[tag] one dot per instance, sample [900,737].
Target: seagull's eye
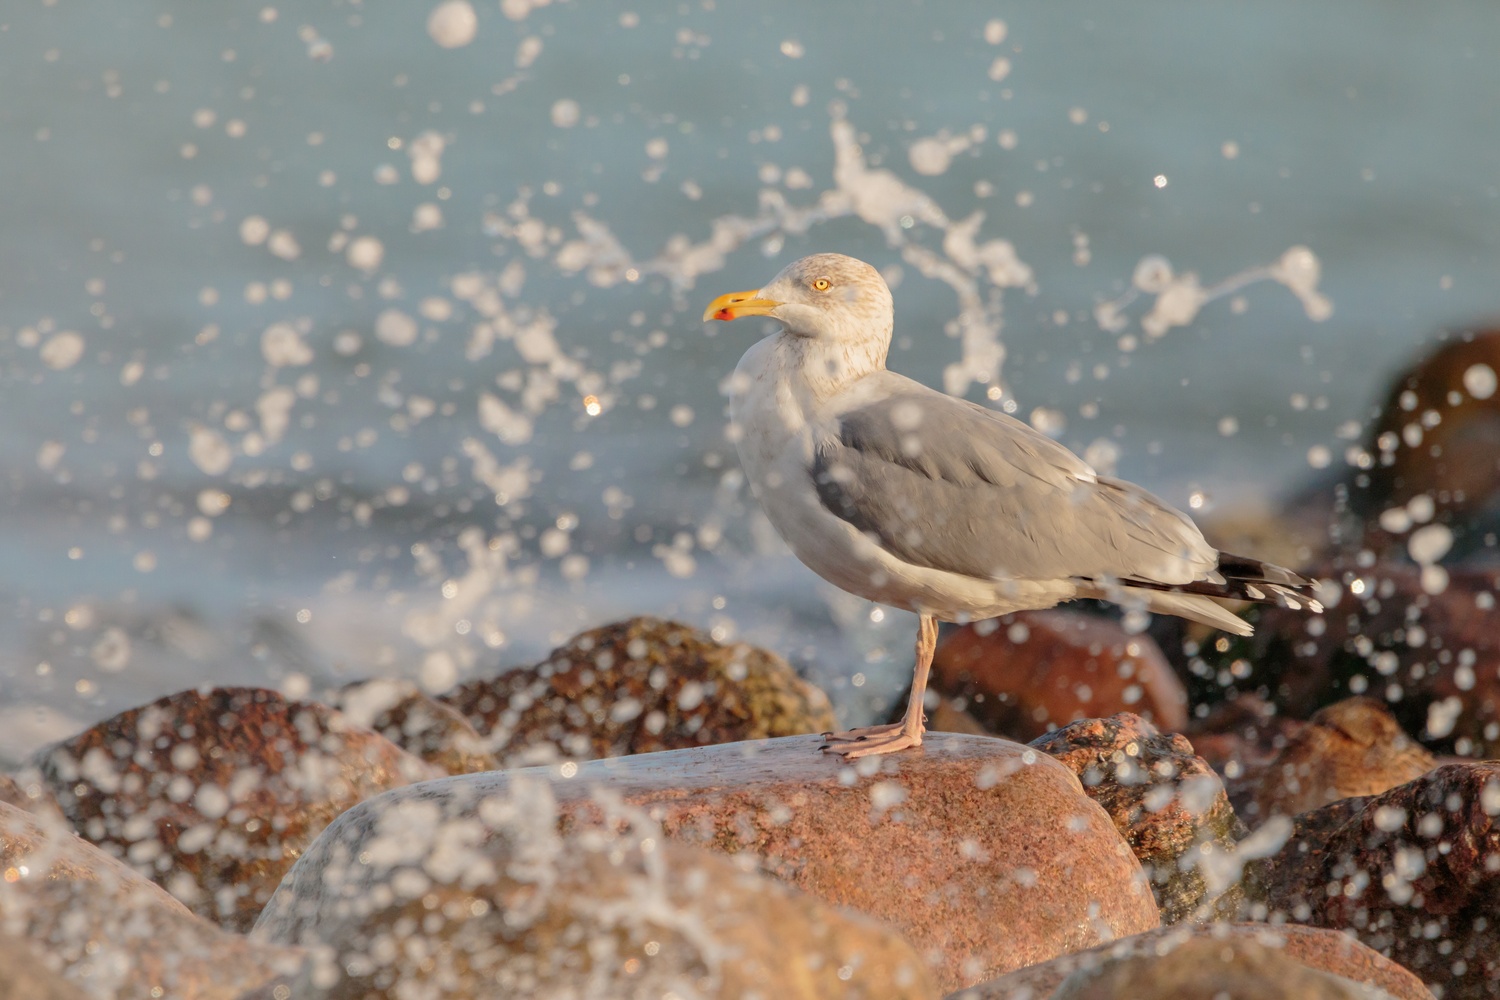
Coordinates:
[822,284]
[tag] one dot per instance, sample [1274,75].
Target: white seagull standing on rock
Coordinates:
[905,496]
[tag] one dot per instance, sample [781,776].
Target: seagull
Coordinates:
[908,497]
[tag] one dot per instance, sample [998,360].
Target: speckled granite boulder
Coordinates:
[1352,747]
[1414,872]
[1024,674]
[213,794]
[1166,802]
[417,723]
[1330,952]
[454,892]
[110,931]
[638,686]
[984,853]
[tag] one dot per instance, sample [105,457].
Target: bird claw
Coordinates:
[870,740]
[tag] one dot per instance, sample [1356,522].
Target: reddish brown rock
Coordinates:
[1166,802]
[25,975]
[1434,658]
[418,724]
[27,791]
[213,794]
[1436,437]
[452,897]
[1350,748]
[1329,952]
[1432,455]
[639,686]
[87,916]
[1413,872]
[1028,673]
[985,854]
[1240,739]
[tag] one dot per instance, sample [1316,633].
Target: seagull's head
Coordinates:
[826,296]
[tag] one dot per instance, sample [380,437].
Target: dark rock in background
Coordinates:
[638,686]
[1351,748]
[417,723]
[1025,674]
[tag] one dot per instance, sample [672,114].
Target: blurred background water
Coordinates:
[343,339]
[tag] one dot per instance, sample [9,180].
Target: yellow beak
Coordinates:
[737,304]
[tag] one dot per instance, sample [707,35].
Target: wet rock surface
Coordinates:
[417,723]
[25,976]
[110,931]
[1282,948]
[639,686]
[1025,674]
[1166,802]
[1240,739]
[968,859]
[1434,658]
[27,791]
[984,853]
[1437,442]
[1413,872]
[215,793]
[1351,748]
[461,892]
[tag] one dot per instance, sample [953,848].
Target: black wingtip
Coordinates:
[1241,578]
[1249,579]
[1255,571]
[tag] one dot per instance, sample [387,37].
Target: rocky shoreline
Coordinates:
[233,843]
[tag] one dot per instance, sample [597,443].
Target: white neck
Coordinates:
[827,367]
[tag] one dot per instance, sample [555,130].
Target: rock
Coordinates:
[84,914]
[1413,872]
[1433,657]
[417,723]
[1287,947]
[1240,739]
[27,791]
[638,686]
[985,854]
[460,892]
[1209,970]
[213,794]
[1025,674]
[1164,800]
[1351,748]
[1437,441]
[1431,456]
[24,975]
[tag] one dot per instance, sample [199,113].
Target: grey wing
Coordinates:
[946,484]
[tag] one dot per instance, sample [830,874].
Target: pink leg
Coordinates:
[870,740]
